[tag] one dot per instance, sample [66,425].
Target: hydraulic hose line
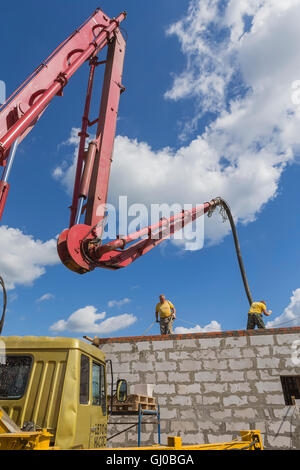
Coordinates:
[4,304]
[220,202]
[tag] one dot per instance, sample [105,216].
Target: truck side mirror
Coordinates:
[121,390]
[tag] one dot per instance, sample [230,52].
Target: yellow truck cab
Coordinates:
[58,384]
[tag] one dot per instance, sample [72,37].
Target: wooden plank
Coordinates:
[8,423]
[133,407]
[134,399]
[151,400]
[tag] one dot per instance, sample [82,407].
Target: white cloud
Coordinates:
[118,303]
[223,55]
[191,175]
[45,297]
[242,74]
[22,258]
[206,74]
[291,314]
[86,320]
[212,326]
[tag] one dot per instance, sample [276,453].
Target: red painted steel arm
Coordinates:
[21,111]
[80,247]
[81,250]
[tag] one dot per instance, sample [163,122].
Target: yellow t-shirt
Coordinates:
[257,307]
[164,309]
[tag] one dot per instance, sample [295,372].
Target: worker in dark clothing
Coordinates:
[255,315]
[167,315]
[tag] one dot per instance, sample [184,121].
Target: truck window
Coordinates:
[99,386]
[84,394]
[14,375]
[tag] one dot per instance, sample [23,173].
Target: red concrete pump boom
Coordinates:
[80,246]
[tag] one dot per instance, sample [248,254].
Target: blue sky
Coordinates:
[208,107]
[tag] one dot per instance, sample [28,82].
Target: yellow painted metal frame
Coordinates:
[250,440]
[39,440]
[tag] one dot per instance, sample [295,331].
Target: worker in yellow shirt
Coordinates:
[167,315]
[255,315]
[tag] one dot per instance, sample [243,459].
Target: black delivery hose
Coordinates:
[220,202]
[4,304]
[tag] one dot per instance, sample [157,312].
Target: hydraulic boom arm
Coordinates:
[80,246]
[20,112]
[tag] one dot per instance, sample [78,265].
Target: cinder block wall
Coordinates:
[211,385]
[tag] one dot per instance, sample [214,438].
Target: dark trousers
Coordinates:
[166,325]
[255,319]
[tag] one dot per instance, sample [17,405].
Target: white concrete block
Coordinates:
[275,399]
[164,389]
[237,426]
[261,340]
[210,343]
[176,377]
[221,415]
[215,387]
[165,366]
[210,400]
[229,353]
[168,414]
[163,345]
[144,389]
[150,378]
[186,389]
[269,386]
[262,351]
[184,344]
[161,377]
[206,376]
[245,413]
[252,375]
[236,341]
[235,400]
[215,364]
[189,365]
[182,427]
[203,354]
[231,376]
[280,442]
[244,387]
[182,400]
[197,438]
[179,355]
[287,338]
[143,345]
[240,364]
[142,366]
[267,363]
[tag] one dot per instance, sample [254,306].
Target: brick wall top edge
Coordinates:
[220,334]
